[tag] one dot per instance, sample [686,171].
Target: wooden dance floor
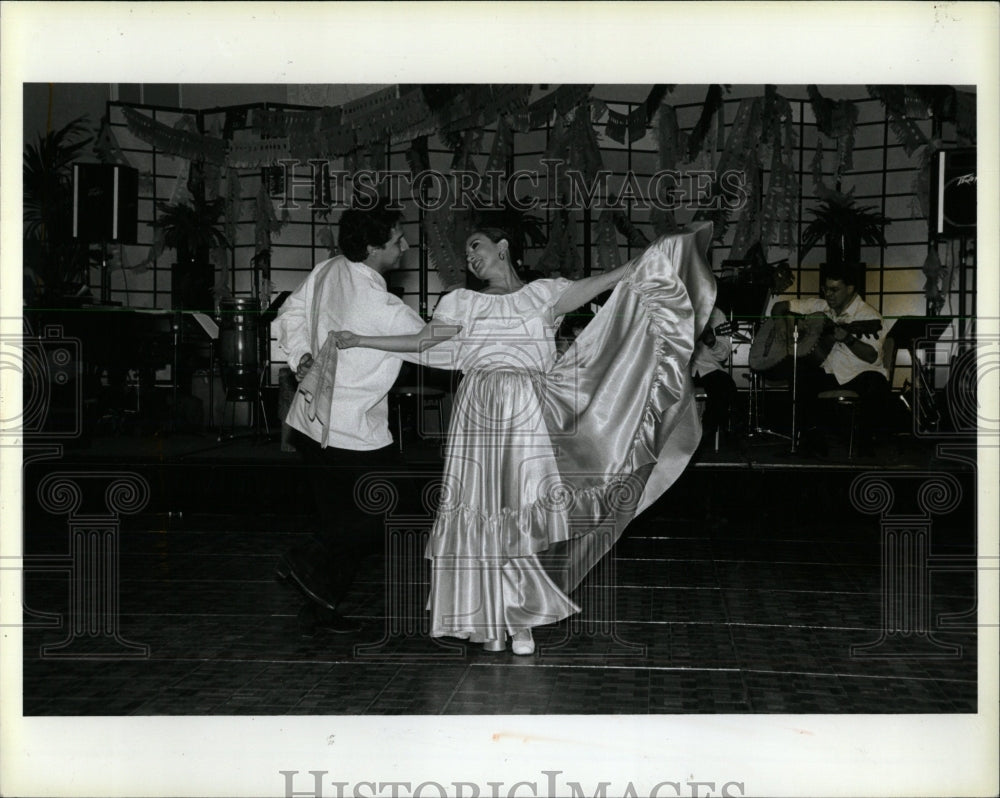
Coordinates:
[763,582]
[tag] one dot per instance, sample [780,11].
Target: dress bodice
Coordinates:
[514,330]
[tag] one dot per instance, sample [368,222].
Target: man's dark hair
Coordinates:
[843,273]
[360,228]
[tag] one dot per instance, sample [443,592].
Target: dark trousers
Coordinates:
[350,527]
[873,403]
[720,391]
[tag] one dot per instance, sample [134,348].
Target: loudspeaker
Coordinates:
[105,203]
[953,193]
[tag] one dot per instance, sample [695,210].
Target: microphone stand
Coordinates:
[795,378]
[176,320]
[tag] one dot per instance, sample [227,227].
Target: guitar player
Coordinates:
[854,362]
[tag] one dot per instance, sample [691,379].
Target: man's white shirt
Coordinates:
[340,294]
[841,362]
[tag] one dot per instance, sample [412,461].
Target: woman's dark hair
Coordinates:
[360,228]
[498,234]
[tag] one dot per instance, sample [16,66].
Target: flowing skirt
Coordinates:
[557,463]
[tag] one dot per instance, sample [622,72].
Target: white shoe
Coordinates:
[523,644]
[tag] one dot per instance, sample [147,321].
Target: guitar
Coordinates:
[816,337]
[774,341]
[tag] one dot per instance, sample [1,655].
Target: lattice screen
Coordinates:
[883,176]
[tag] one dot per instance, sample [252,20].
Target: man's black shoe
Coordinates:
[312,618]
[291,570]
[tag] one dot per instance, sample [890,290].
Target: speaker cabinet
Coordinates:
[953,193]
[105,203]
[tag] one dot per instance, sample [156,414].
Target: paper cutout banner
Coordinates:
[186,144]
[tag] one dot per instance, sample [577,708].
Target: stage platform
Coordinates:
[762,582]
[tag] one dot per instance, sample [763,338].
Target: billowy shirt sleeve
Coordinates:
[292,322]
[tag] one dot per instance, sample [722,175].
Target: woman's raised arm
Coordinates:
[582,291]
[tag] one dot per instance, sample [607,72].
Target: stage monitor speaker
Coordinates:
[953,193]
[105,203]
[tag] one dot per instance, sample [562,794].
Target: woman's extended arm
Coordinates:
[432,334]
[582,291]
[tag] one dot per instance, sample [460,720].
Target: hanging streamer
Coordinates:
[598,110]
[236,119]
[720,127]
[252,154]
[921,185]
[606,242]
[418,156]
[471,143]
[654,98]
[267,222]
[907,131]
[748,225]
[666,137]
[616,126]
[223,273]
[816,165]
[965,116]
[107,148]
[550,261]
[739,152]
[669,152]
[503,147]
[233,206]
[560,255]
[836,120]
[782,191]
[637,123]
[561,101]
[438,229]
[584,152]
[174,141]
[713,101]
[181,194]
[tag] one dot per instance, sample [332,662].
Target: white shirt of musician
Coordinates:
[340,294]
[841,362]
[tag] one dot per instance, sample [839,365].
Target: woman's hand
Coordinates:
[346,339]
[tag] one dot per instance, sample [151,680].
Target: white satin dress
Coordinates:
[548,460]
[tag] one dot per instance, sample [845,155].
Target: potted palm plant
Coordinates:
[192,229]
[844,227]
[55,264]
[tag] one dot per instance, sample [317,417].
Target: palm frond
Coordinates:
[841,217]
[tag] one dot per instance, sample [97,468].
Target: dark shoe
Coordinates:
[290,569]
[312,618]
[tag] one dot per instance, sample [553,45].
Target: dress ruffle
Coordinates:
[571,453]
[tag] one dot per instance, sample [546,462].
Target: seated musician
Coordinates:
[854,361]
[711,353]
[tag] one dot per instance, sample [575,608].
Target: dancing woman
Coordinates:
[548,457]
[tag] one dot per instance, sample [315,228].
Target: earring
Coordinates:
[503,256]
